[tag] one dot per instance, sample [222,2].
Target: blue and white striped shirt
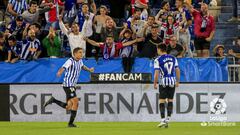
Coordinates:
[73,69]
[80,19]
[70,13]
[167,65]
[16,50]
[18,6]
[27,45]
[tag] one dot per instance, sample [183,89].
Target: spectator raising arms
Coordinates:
[110,48]
[74,36]
[163,12]
[148,25]
[204,29]
[150,45]
[32,14]
[169,29]
[126,53]
[53,44]
[31,46]
[136,24]
[85,21]
[52,15]
[100,23]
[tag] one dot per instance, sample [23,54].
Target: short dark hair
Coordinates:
[170,15]
[221,47]
[180,0]
[84,3]
[151,16]
[104,7]
[164,3]
[32,3]
[137,10]
[74,23]
[162,47]
[37,25]
[75,50]
[12,38]
[19,18]
[174,19]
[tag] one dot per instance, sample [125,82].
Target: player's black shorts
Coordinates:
[201,44]
[70,92]
[166,92]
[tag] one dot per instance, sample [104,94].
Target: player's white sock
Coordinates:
[162,123]
[163,120]
[167,119]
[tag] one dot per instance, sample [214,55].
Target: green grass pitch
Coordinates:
[114,128]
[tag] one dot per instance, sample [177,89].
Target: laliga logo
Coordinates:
[218,106]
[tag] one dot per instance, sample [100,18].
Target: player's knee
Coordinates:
[69,105]
[162,100]
[75,102]
[170,100]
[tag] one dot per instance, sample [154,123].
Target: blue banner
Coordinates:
[44,70]
[203,70]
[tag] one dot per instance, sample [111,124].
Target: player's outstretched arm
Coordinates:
[60,71]
[178,76]
[88,69]
[156,74]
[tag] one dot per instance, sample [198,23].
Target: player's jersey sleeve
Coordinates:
[156,64]
[82,64]
[67,64]
[39,47]
[176,63]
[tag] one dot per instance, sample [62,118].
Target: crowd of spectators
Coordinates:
[32,29]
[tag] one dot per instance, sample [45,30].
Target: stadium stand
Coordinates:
[226,32]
